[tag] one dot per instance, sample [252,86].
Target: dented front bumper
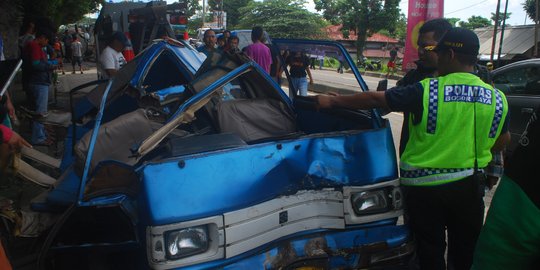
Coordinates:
[370,247]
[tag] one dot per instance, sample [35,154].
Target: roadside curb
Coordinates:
[380,75]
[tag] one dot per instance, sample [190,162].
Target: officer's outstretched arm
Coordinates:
[501,142]
[363,101]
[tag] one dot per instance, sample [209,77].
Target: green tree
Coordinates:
[501,17]
[59,11]
[282,19]
[401,28]
[453,21]
[194,23]
[192,7]
[475,22]
[400,32]
[529,7]
[364,17]
[232,7]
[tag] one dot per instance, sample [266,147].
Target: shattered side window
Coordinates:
[232,91]
[164,72]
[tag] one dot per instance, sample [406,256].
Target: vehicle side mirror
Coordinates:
[383,85]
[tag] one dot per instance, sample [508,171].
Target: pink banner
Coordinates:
[420,11]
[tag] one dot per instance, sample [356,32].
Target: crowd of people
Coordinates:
[44,53]
[266,56]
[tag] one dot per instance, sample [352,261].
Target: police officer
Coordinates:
[462,119]
[426,65]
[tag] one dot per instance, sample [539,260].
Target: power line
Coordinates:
[465,8]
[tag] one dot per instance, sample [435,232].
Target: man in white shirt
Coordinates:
[111,59]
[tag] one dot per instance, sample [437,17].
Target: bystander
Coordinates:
[209,39]
[258,51]
[76,53]
[298,69]
[111,59]
[39,81]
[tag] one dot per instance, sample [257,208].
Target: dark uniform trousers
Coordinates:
[457,207]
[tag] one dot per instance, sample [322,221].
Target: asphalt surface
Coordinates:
[347,80]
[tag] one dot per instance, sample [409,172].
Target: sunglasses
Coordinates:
[428,48]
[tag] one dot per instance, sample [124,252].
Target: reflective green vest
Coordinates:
[441,148]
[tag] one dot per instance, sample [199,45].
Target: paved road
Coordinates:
[345,80]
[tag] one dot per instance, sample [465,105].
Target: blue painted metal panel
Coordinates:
[93,141]
[202,187]
[173,90]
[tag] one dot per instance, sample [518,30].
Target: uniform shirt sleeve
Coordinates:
[406,98]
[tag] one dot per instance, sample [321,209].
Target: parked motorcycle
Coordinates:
[370,65]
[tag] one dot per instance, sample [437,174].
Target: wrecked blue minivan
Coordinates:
[217,167]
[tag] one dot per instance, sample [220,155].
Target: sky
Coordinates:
[464,9]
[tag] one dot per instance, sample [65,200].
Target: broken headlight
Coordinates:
[186,242]
[376,201]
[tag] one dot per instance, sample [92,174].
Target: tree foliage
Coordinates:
[364,17]
[282,19]
[475,22]
[59,11]
[193,7]
[401,27]
[400,32]
[529,7]
[232,7]
[453,21]
[501,17]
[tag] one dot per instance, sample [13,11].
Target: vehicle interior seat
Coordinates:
[116,139]
[255,119]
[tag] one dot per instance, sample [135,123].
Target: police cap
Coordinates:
[460,40]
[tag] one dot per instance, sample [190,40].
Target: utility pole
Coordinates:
[203,12]
[220,12]
[536,30]
[494,40]
[503,26]
[221,16]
